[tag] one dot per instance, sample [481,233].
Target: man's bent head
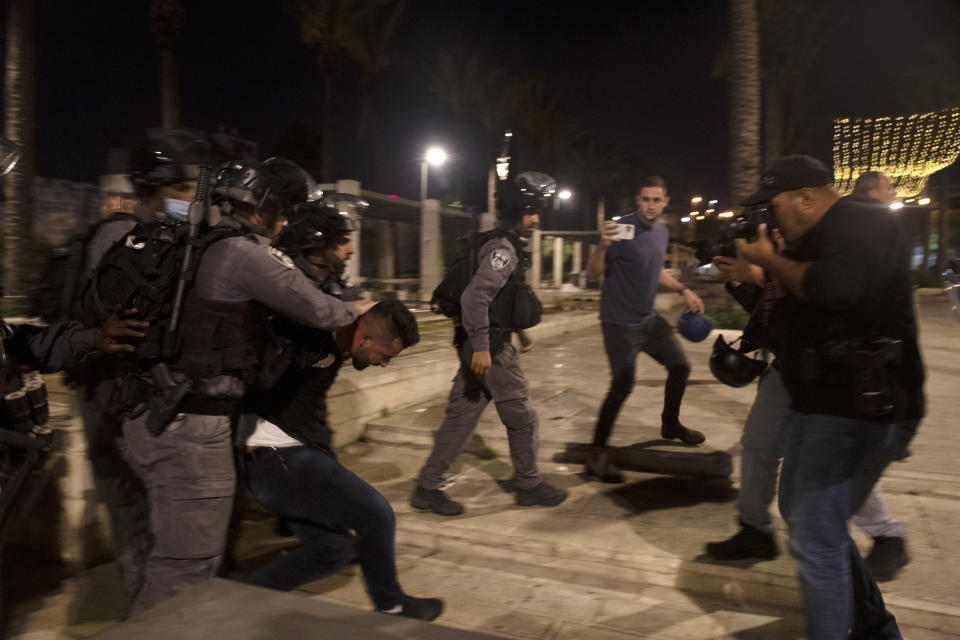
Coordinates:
[382,333]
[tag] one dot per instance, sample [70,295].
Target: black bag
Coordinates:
[527,308]
[446,297]
[57,296]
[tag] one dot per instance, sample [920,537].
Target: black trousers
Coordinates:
[623,344]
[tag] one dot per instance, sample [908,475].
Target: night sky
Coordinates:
[637,72]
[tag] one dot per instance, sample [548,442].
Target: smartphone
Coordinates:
[625,231]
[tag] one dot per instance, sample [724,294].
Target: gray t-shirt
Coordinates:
[632,274]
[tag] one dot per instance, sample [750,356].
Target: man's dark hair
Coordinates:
[866,181]
[653,181]
[396,321]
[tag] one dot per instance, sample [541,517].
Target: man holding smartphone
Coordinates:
[633,270]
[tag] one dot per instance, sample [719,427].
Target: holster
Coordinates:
[164,403]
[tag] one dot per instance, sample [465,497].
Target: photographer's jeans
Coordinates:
[829,466]
[764,433]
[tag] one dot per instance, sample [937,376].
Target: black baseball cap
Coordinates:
[789,173]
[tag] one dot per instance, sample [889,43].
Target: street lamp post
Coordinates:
[434,156]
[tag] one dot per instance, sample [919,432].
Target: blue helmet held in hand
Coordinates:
[694,326]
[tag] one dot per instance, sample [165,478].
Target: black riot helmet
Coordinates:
[523,195]
[258,194]
[324,225]
[167,157]
[733,367]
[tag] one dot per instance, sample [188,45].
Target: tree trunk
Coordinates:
[169,87]
[744,100]
[19,112]
[329,169]
[772,122]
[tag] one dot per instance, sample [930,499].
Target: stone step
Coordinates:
[548,602]
[740,585]
[514,600]
[648,532]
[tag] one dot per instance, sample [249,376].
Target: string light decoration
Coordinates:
[908,148]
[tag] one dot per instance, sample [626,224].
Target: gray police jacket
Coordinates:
[246,268]
[496,261]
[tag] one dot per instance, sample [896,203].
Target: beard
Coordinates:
[360,361]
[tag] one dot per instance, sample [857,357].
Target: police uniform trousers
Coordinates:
[190,478]
[120,489]
[506,385]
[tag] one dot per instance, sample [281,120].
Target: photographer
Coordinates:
[763,436]
[847,347]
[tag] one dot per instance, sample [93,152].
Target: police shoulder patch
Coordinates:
[281,257]
[499,259]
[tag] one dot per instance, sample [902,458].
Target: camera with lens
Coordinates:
[715,237]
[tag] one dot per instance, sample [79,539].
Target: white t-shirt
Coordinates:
[268,434]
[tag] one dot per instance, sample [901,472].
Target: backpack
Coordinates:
[516,298]
[57,296]
[446,297]
[141,271]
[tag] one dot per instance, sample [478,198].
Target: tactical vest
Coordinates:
[515,306]
[221,339]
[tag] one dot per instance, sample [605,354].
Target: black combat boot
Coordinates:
[542,495]
[599,466]
[435,500]
[887,557]
[673,430]
[749,542]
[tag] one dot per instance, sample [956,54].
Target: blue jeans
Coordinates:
[829,466]
[323,501]
[764,433]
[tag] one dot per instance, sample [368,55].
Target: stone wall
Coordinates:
[62,207]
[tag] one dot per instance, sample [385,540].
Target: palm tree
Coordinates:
[166,23]
[369,44]
[19,99]
[744,99]
[328,28]
[478,91]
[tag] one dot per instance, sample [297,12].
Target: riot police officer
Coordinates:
[187,463]
[163,169]
[492,306]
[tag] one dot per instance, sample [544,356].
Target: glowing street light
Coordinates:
[923,202]
[435,156]
[896,205]
[696,200]
[564,194]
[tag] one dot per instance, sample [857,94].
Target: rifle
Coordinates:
[197,214]
[165,404]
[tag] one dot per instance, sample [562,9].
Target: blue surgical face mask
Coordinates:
[176,209]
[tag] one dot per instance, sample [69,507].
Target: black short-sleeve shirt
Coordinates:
[857,286]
